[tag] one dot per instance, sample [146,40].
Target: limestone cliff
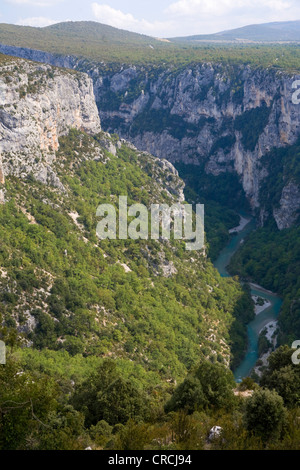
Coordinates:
[286,215]
[228,117]
[38,104]
[224,116]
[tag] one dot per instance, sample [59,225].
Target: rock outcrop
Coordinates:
[288,212]
[38,105]
[226,117]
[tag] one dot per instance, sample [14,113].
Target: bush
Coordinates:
[210,386]
[101,433]
[283,376]
[265,415]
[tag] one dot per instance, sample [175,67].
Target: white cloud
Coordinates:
[204,16]
[223,7]
[187,17]
[108,15]
[36,21]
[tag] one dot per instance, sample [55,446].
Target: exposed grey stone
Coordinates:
[36,113]
[288,212]
[209,96]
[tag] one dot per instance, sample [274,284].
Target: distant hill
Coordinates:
[284,31]
[97,43]
[80,38]
[97,33]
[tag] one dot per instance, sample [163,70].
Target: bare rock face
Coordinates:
[228,116]
[288,212]
[38,104]
[121,80]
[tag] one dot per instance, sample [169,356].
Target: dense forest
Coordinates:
[58,402]
[77,301]
[106,368]
[97,42]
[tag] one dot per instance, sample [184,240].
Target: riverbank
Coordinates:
[241,226]
[266,313]
[257,286]
[258,308]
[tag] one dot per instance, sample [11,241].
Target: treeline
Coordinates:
[93,41]
[45,410]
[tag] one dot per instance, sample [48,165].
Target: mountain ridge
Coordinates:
[102,43]
[280,31]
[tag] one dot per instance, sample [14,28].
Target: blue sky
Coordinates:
[160,18]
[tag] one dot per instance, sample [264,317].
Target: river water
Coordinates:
[262,319]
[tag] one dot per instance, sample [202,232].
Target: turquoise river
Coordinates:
[262,319]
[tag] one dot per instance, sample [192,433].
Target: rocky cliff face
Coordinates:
[39,56]
[286,215]
[38,104]
[226,117]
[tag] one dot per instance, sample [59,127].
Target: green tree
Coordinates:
[188,396]
[265,414]
[217,384]
[64,431]
[26,400]
[209,386]
[283,376]
[107,396]
[133,436]
[101,433]
[121,401]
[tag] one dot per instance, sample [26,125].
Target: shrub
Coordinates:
[265,414]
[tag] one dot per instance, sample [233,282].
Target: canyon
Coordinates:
[225,117]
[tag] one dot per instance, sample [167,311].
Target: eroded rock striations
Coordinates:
[38,104]
[226,117]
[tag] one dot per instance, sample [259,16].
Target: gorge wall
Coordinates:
[38,104]
[50,229]
[226,118]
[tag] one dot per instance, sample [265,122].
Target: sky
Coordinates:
[158,18]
